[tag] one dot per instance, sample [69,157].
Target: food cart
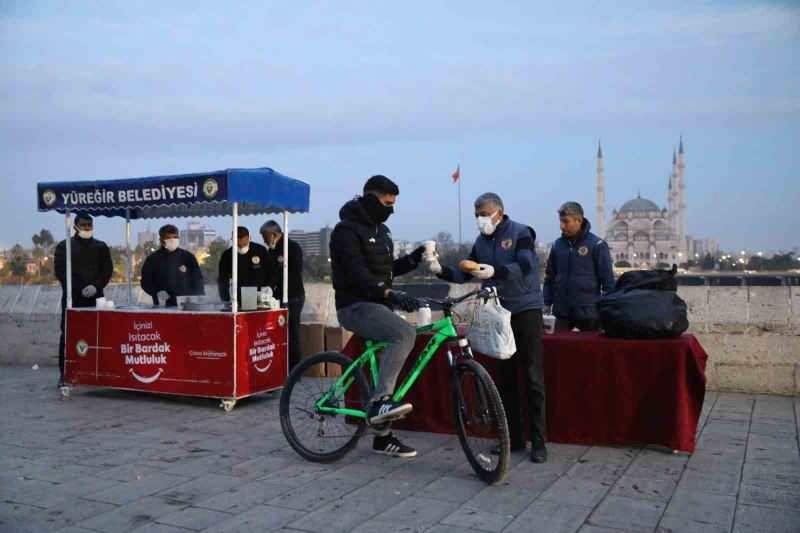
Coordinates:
[208,350]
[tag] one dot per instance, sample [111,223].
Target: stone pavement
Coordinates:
[114,461]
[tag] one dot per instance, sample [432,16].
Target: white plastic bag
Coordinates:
[491,332]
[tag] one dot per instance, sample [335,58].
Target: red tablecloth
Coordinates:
[599,390]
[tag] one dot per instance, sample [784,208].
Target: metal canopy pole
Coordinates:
[235,260]
[69,261]
[285,256]
[128,265]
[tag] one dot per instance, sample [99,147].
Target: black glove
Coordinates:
[403,300]
[416,255]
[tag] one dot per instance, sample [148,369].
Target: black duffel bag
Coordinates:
[642,314]
[660,280]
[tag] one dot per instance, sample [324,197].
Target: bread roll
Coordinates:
[468,266]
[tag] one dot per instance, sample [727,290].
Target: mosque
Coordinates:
[641,234]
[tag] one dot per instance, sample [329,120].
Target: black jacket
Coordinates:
[253,270]
[175,272]
[362,258]
[91,265]
[296,288]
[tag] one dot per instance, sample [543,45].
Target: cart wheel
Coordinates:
[228,405]
[65,390]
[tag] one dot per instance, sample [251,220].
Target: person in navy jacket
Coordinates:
[578,268]
[505,251]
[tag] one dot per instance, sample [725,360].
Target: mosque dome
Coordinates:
[639,204]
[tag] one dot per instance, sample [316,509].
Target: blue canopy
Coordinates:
[257,190]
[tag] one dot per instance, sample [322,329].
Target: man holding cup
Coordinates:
[578,268]
[91,271]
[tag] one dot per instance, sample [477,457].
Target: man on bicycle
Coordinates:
[363,267]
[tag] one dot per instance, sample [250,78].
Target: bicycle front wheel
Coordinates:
[321,436]
[481,421]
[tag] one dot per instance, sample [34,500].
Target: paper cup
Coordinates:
[429,249]
[549,322]
[100,303]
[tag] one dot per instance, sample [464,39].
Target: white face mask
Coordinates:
[85,234]
[485,224]
[244,250]
[171,244]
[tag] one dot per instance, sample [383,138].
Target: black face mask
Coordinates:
[378,212]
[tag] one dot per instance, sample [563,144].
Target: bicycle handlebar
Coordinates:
[447,303]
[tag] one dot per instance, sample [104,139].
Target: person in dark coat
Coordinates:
[253,266]
[363,268]
[505,251]
[296,297]
[578,269]
[92,268]
[171,271]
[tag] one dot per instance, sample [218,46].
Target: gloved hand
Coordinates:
[547,310]
[89,291]
[403,300]
[416,255]
[433,266]
[162,295]
[486,272]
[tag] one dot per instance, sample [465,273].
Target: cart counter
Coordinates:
[210,354]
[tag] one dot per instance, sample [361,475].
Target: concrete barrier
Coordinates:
[752,334]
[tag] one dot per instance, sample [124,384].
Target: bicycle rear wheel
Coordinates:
[480,421]
[315,435]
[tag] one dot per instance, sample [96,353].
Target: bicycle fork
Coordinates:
[464,352]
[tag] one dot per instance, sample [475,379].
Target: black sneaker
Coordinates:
[385,410]
[390,445]
[60,382]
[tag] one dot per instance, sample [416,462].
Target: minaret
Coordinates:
[601,195]
[671,204]
[681,201]
[675,209]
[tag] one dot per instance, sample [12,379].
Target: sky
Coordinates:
[516,93]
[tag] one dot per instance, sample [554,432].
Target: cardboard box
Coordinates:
[335,339]
[312,341]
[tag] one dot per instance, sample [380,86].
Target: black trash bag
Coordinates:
[659,280]
[642,314]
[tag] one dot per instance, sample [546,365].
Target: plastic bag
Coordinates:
[660,280]
[491,332]
[642,314]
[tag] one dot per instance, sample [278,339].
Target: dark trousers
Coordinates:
[527,327]
[585,324]
[86,302]
[295,307]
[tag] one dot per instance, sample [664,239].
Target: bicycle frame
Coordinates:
[443,329]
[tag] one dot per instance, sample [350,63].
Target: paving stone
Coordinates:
[243,497]
[128,472]
[716,481]
[417,511]
[377,496]
[543,516]
[13,512]
[384,527]
[138,488]
[765,496]
[702,507]
[471,517]
[154,527]
[628,513]
[576,491]
[750,519]
[73,510]
[451,489]
[312,496]
[601,529]
[133,515]
[201,488]
[194,518]
[338,516]
[676,524]
[297,474]
[259,518]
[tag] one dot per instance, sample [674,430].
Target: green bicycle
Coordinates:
[322,405]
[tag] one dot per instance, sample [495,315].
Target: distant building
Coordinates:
[196,236]
[147,237]
[402,248]
[313,243]
[701,247]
